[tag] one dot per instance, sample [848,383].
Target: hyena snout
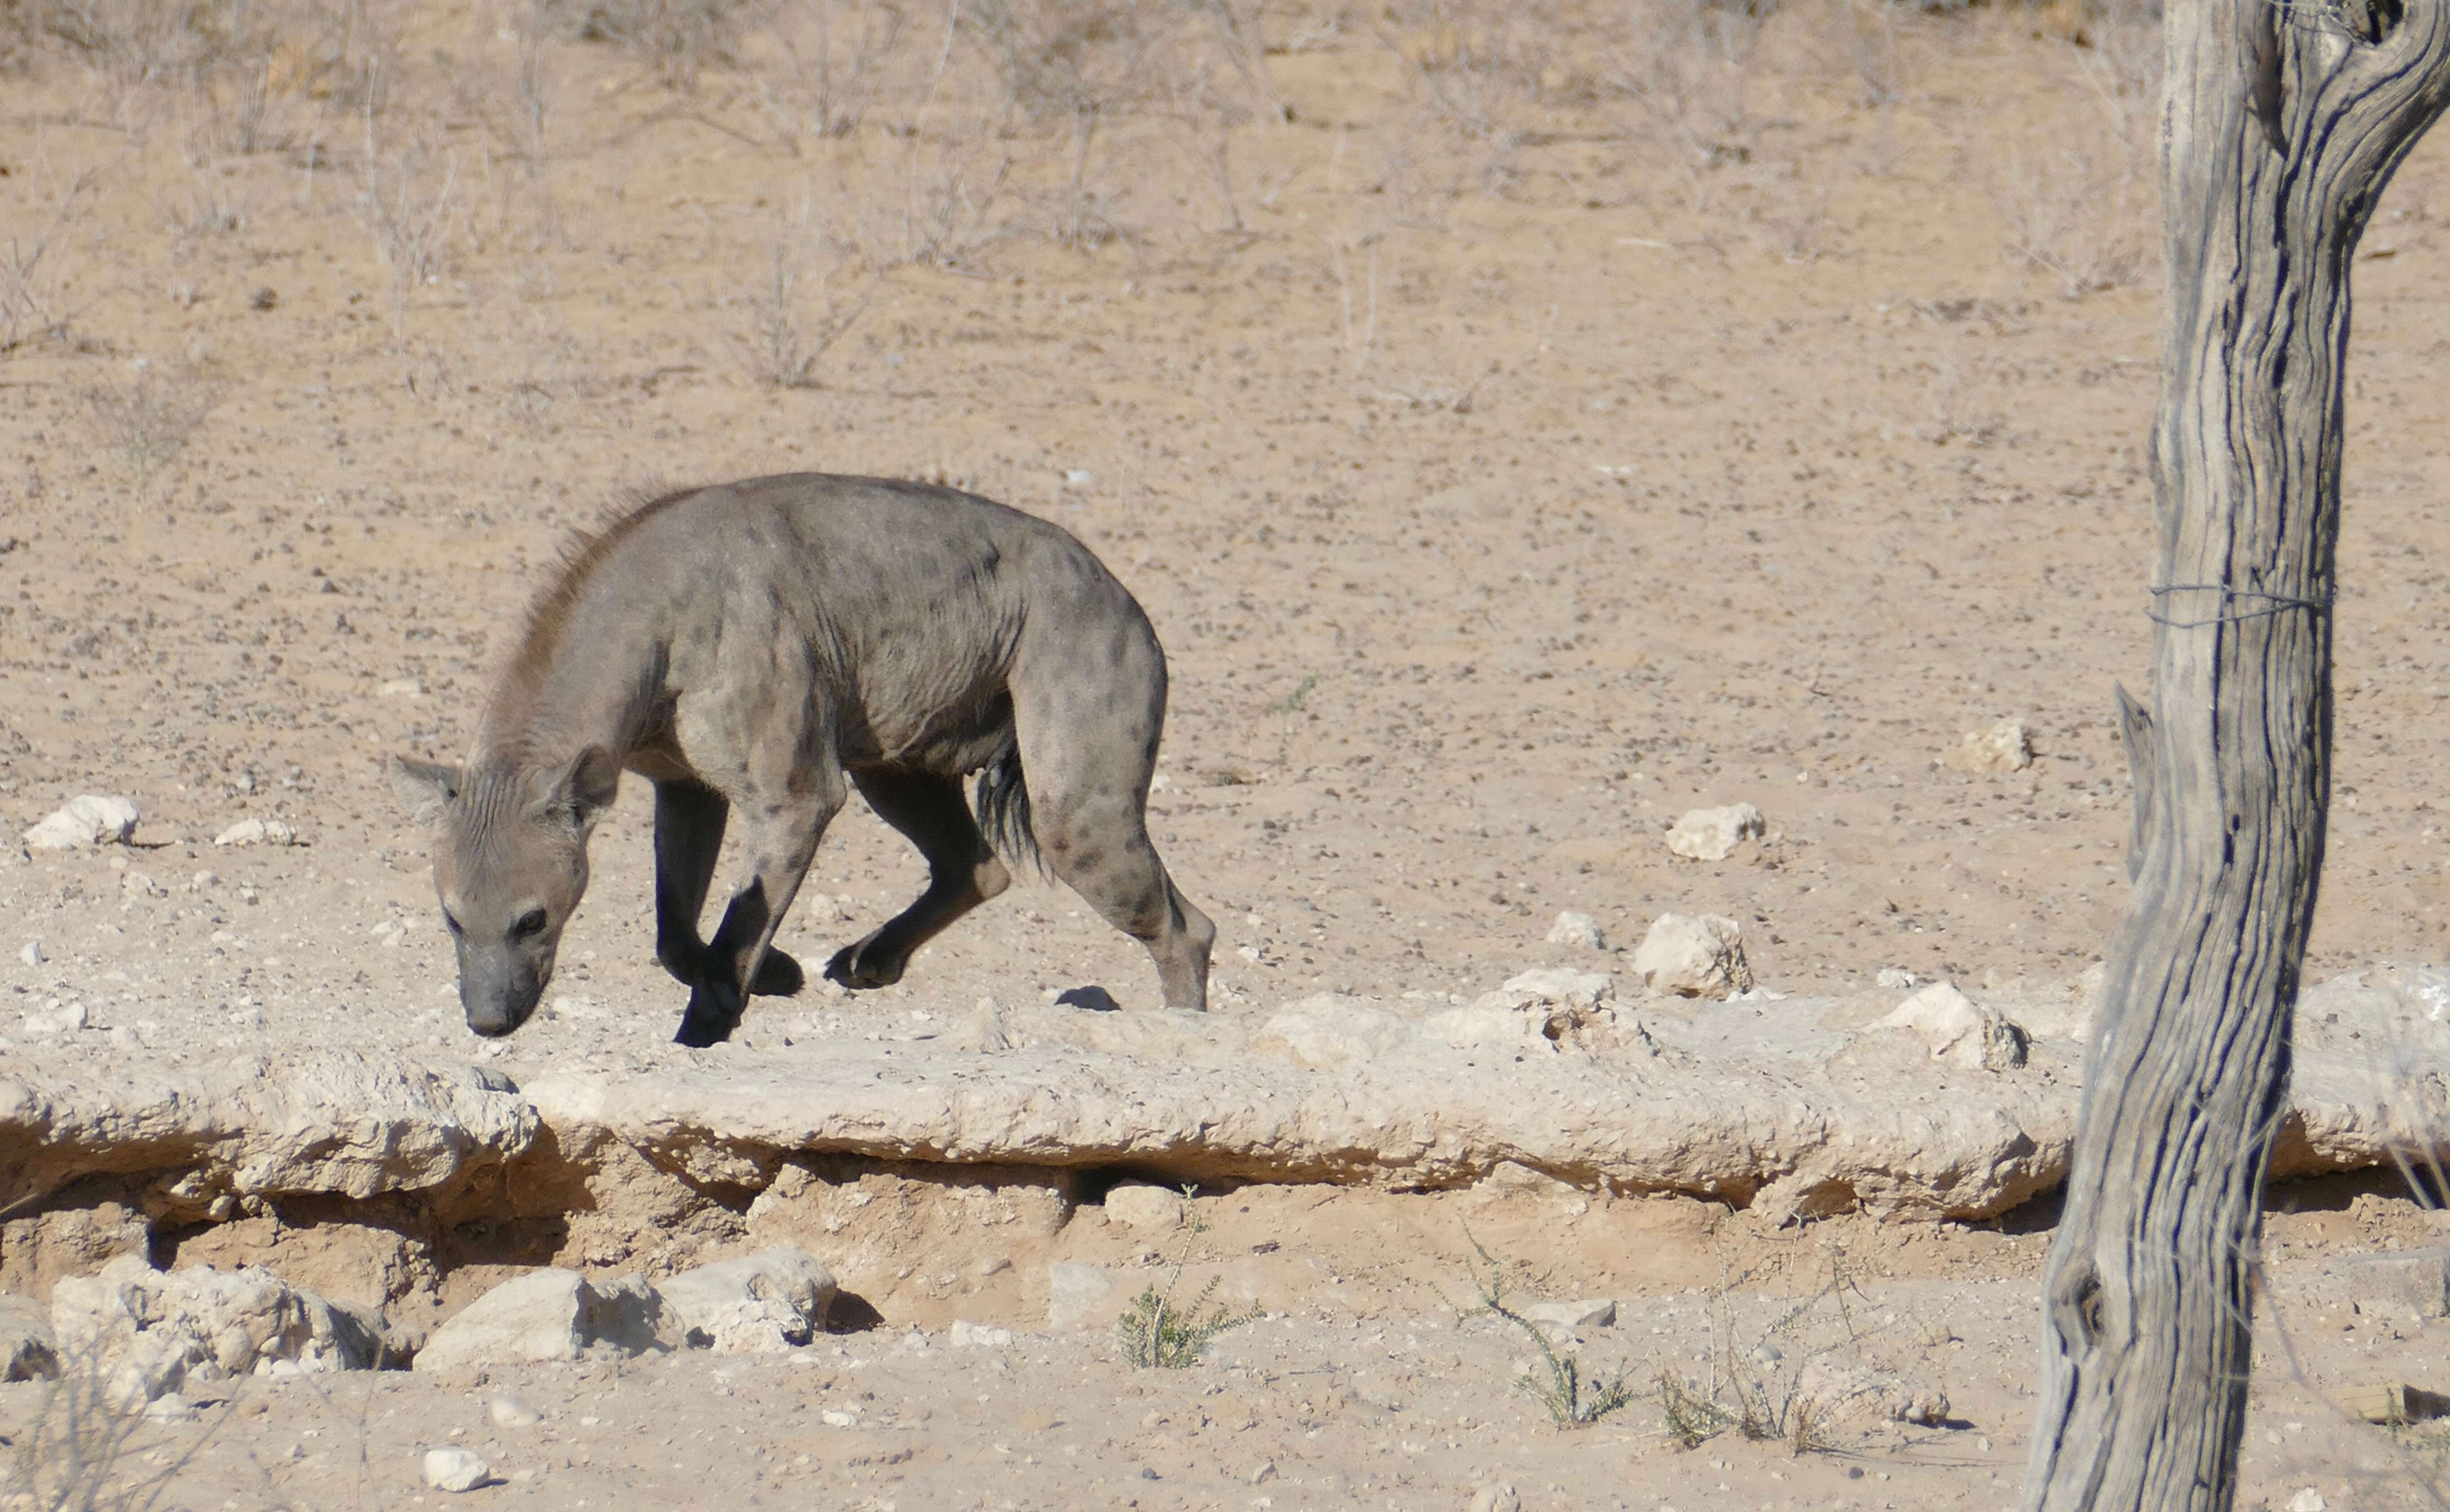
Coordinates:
[499,989]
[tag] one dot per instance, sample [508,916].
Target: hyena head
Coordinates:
[510,864]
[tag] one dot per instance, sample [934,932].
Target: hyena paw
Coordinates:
[778,976]
[857,968]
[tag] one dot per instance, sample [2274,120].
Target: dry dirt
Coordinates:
[1547,421]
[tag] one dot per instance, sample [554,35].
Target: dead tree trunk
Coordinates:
[2283,125]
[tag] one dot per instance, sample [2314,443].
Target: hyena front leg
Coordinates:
[690,819]
[782,838]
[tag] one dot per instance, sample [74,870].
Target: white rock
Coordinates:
[151,1332]
[1897,978]
[967,1335]
[135,884]
[1572,1316]
[85,820]
[1496,1022]
[455,1470]
[401,687]
[1496,1497]
[1561,984]
[1712,834]
[33,953]
[2006,747]
[1959,1031]
[1139,1205]
[64,1019]
[1577,929]
[770,1301]
[1687,957]
[510,1412]
[256,832]
[553,1315]
[839,1417]
[170,1408]
[1080,1296]
[2307,1500]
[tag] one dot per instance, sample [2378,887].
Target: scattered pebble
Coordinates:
[58,1018]
[455,1470]
[1712,834]
[2006,747]
[32,954]
[510,1413]
[1580,930]
[2307,1500]
[85,820]
[257,832]
[1496,1497]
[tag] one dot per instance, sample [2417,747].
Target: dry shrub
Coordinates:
[34,258]
[677,39]
[2081,214]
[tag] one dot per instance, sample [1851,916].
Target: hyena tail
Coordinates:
[1004,810]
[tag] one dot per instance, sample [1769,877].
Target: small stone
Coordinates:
[762,1303]
[1712,834]
[839,1418]
[994,1265]
[401,687]
[32,954]
[1560,984]
[170,1408]
[138,884]
[1572,1316]
[1498,1496]
[1140,1206]
[456,1470]
[1689,957]
[1265,1473]
[2307,1500]
[64,1019]
[1147,1474]
[1579,930]
[510,1413]
[968,1335]
[1897,978]
[2006,747]
[1924,1409]
[1959,1031]
[256,832]
[85,820]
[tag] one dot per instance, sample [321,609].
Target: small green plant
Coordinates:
[1558,1385]
[1158,1333]
[1291,702]
[1691,1418]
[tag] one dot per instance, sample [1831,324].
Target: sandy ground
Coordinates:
[1374,1382]
[1520,437]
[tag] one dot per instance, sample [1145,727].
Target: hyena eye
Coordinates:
[529,925]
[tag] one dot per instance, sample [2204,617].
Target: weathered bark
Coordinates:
[2282,127]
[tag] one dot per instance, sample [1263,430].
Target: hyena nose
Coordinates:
[495,1008]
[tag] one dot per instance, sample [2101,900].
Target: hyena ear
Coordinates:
[580,792]
[423,787]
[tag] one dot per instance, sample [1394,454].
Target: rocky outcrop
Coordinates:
[206,1136]
[148,1333]
[1802,1105]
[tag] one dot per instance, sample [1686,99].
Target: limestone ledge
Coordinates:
[1802,1105]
